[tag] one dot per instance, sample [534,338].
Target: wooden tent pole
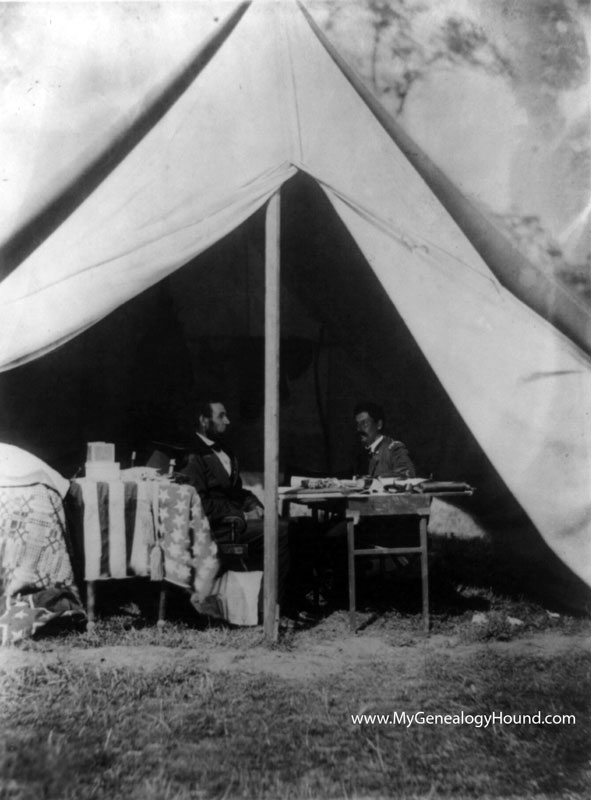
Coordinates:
[272,283]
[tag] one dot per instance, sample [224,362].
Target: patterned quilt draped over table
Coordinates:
[35,565]
[149,528]
[32,539]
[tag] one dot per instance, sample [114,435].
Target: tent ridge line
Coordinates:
[293,106]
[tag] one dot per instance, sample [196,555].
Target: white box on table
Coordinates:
[103,470]
[100,451]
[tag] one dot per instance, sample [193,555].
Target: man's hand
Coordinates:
[178,477]
[255,513]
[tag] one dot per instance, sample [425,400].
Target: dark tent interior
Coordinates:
[133,378]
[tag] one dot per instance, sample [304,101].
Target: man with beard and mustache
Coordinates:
[212,468]
[235,514]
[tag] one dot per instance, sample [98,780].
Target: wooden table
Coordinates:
[388,505]
[357,506]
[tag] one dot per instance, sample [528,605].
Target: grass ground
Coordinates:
[202,711]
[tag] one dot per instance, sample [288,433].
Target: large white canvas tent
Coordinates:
[263,104]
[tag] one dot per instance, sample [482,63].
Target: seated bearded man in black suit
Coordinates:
[212,468]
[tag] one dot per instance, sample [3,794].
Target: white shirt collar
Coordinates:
[374,445]
[219,452]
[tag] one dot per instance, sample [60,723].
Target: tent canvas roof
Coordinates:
[269,101]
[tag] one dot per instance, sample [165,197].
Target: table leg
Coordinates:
[315,556]
[351,564]
[424,573]
[90,605]
[161,605]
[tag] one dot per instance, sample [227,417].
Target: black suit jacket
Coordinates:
[221,494]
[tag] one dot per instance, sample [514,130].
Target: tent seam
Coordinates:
[412,243]
[297,140]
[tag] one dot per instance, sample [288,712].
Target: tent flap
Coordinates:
[270,102]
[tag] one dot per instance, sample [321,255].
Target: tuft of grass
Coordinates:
[454,616]
[467,578]
[189,733]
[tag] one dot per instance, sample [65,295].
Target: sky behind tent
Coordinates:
[74,72]
[71,73]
